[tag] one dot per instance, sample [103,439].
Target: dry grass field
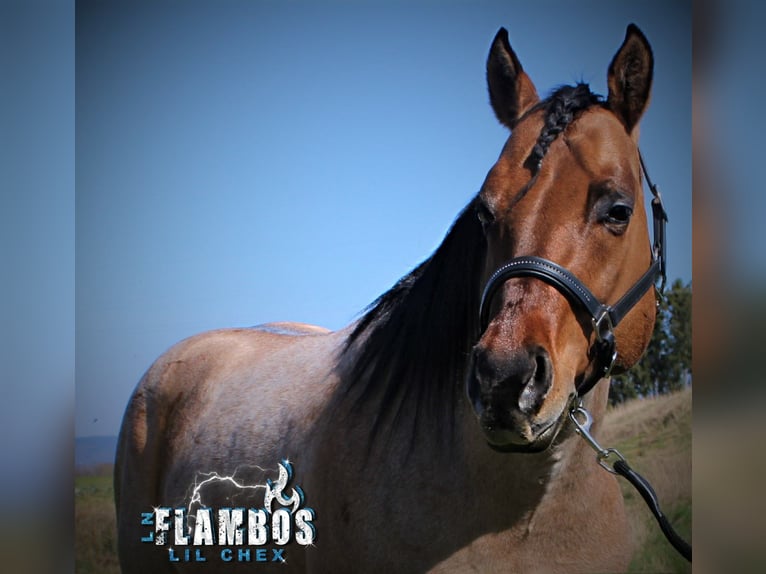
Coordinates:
[95,524]
[653,434]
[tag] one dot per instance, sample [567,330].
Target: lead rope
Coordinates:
[620,466]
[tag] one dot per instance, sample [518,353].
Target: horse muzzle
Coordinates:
[507,393]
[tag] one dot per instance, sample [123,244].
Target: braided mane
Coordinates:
[561,109]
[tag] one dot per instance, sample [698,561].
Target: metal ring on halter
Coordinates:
[602,325]
[583,429]
[601,458]
[610,366]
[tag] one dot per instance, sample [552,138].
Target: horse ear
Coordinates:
[630,78]
[511,92]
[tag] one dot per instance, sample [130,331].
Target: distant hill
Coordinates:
[92,451]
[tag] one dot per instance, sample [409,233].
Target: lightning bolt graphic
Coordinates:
[273,491]
[211,477]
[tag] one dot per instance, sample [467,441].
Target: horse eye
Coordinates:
[484,214]
[619,213]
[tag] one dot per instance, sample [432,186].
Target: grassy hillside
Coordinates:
[655,436]
[95,523]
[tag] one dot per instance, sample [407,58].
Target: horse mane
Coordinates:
[413,343]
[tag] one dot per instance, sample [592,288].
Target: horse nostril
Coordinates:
[538,383]
[510,381]
[543,367]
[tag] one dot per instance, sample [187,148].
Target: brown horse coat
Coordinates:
[392,456]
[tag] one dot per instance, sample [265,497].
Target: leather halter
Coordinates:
[604,317]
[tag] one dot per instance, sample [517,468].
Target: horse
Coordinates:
[432,433]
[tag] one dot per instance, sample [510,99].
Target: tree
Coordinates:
[680,333]
[666,364]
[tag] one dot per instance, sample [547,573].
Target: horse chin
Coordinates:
[535,438]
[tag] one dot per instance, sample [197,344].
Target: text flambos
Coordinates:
[236,526]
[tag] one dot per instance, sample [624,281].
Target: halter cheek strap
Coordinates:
[604,318]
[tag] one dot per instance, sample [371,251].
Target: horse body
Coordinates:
[188,416]
[423,439]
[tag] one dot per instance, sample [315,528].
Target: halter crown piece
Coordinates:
[604,318]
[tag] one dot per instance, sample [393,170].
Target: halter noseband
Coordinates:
[604,318]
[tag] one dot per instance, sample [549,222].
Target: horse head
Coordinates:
[567,191]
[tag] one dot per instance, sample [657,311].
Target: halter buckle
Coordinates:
[602,325]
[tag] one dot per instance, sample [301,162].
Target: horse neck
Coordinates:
[449,475]
[453,445]
[507,487]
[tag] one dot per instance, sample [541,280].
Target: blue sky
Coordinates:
[245,162]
